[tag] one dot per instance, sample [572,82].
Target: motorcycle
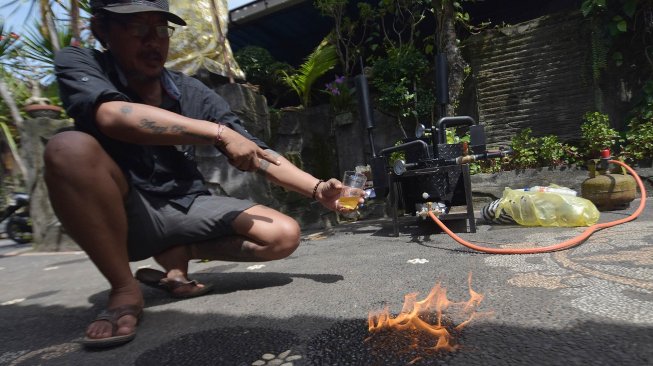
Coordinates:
[18,226]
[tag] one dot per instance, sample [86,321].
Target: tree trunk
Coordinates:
[47,19]
[74,23]
[446,39]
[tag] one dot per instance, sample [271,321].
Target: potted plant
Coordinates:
[38,106]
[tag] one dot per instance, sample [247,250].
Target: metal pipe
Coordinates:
[466,159]
[406,145]
[445,122]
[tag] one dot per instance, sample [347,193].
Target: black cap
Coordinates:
[136,6]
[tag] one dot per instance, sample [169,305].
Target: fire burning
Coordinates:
[422,325]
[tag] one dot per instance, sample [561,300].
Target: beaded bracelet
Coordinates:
[315,188]
[218,136]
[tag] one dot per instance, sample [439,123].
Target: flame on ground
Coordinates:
[424,322]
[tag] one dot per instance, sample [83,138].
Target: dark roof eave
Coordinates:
[258,9]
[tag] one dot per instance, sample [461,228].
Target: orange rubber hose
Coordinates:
[565,244]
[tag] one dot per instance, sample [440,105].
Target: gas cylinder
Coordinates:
[608,189]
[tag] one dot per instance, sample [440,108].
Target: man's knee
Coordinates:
[67,150]
[287,237]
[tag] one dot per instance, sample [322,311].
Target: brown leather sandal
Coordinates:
[112,316]
[178,287]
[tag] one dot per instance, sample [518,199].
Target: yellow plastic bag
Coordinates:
[547,209]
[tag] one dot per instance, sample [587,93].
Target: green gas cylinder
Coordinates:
[609,189]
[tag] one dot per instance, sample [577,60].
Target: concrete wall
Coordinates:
[48,232]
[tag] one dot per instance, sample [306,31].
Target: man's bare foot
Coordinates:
[175,282]
[125,324]
[181,286]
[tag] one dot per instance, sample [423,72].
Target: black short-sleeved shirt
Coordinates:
[87,77]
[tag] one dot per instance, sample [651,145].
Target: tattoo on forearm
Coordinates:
[152,126]
[181,130]
[264,164]
[126,109]
[273,153]
[157,129]
[263,167]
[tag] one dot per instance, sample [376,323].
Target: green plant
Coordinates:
[639,136]
[524,146]
[552,152]
[402,89]
[349,35]
[8,41]
[263,70]
[487,166]
[643,110]
[611,19]
[40,48]
[453,138]
[18,92]
[535,152]
[13,91]
[597,134]
[321,60]
[374,33]
[397,155]
[639,140]
[340,95]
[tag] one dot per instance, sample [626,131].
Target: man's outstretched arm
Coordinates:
[292,178]
[147,125]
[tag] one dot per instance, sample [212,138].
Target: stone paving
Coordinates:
[589,305]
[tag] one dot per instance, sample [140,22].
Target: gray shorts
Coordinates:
[155,225]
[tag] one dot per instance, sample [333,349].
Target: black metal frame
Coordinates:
[463,198]
[434,171]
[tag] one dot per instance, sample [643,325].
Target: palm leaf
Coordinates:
[38,48]
[7,41]
[321,60]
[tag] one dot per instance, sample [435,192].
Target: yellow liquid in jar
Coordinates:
[348,202]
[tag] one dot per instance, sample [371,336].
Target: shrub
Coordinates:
[639,137]
[524,146]
[597,135]
[402,88]
[639,140]
[263,70]
[535,152]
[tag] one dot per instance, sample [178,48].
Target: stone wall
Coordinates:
[223,178]
[535,74]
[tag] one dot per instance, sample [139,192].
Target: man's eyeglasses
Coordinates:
[141,30]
